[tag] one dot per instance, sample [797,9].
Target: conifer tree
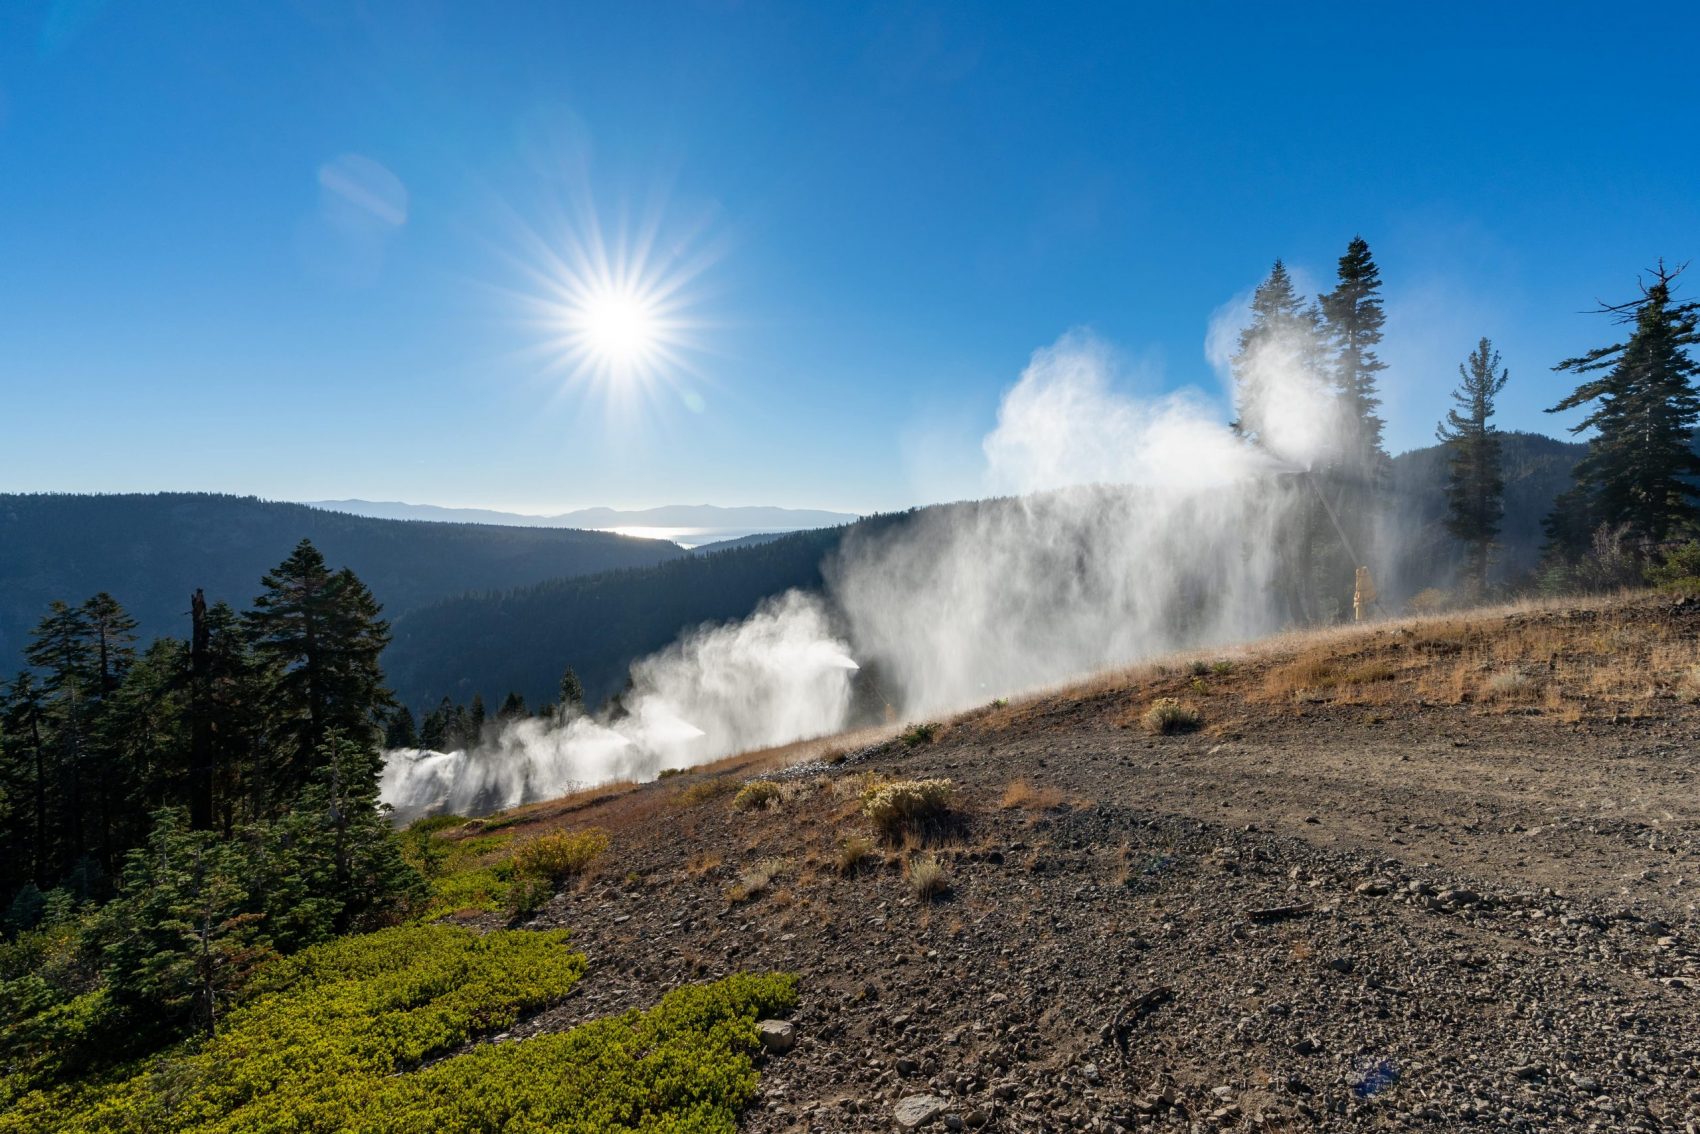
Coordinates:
[400,731]
[572,693]
[319,635]
[1284,333]
[1644,407]
[112,636]
[182,936]
[1352,318]
[1475,484]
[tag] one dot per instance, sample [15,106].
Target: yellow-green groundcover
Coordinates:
[351,1037]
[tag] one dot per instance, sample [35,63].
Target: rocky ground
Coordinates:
[1384,887]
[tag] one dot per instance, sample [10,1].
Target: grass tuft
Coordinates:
[928,879]
[1168,715]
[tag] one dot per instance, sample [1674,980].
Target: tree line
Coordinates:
[171,816]
[1632,515]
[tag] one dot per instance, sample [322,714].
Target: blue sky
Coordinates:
[884,210]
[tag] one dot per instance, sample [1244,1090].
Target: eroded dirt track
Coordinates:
[1342,904]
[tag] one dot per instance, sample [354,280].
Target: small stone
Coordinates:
[777,1036]
[915,1111]
[1342,965]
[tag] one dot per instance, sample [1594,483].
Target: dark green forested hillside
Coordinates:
[152,550]
[1536,469]
[521,640]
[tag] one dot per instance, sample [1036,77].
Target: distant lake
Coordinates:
[686,537]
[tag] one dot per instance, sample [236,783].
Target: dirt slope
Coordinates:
[1425,875]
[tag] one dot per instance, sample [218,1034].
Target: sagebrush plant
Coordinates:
[342,1037]
[757,795]
[907,804]
[928,878]
[1170,715]
[853,851]
[754,880]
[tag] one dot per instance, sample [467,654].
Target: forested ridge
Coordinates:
[155,549]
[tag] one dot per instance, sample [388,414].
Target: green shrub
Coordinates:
[560,856]
[1168,715]
[1679,572]
[319,1036]
[917,735]
[907,804]
[544,864]
[335,1040]
[756,795]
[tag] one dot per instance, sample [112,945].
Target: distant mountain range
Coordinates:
[694,523]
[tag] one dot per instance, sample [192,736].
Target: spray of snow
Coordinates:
[1133,527]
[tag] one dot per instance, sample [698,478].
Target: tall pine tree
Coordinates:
[1284,336]
[1643,405]
[1475,483]
[1355,480]
[1352,318]
[318,633]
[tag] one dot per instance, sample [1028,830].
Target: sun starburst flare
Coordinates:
[616,312]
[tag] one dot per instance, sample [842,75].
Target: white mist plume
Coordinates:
[1142,526]
[775,677]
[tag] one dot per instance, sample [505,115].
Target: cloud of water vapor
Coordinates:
[1138,526]
[777,676]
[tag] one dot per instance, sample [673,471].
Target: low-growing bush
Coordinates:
[916,735]
[754,880]
[544,864]
[853,851]
[1508,685]
[1169,715]
[757,795]
[334,1039]
[907,804]
[561,855]
[927,877]
[705,790]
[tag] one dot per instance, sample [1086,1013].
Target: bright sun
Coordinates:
[620,331]
[616,311]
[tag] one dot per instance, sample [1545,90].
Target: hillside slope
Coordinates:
[1418,875]
[152,550]
[492,644]
[521,640]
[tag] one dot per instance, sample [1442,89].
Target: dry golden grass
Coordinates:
[1167,715]
[754,880]
[701,863]
[1024,795]
[855,851]
[927,876]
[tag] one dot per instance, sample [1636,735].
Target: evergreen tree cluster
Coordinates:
[170,816]
[1636,497]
